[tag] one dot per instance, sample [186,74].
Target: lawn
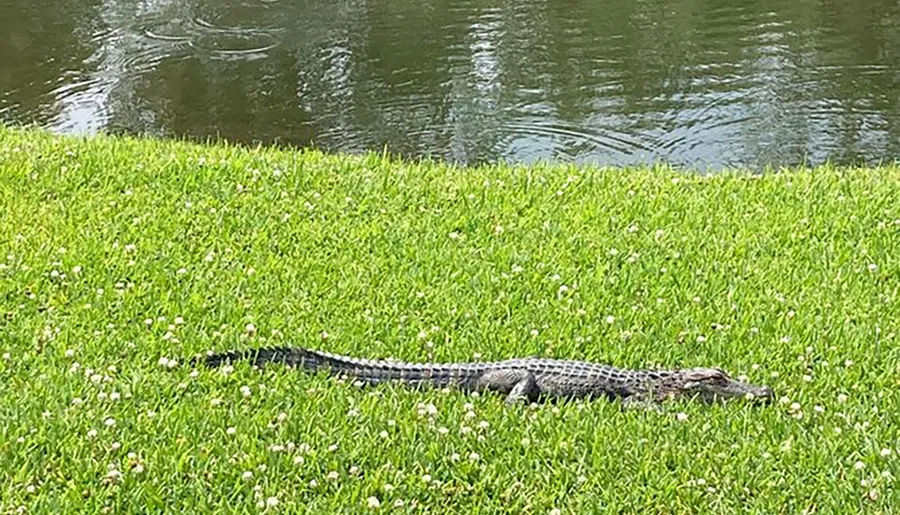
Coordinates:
[120,258]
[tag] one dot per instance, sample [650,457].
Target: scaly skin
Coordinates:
[526,379]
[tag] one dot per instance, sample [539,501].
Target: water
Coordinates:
[700,84]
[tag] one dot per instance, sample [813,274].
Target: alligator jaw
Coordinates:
[713,384]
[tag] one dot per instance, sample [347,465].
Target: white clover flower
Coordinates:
[332,476]
[610,319]
[859,465]
[474,456]
[681,416]
[373,502]
[230,431]
[138,468]
[110,422]
[271,502]
[92,433]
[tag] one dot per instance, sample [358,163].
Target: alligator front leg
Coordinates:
[518,385]
[641,402]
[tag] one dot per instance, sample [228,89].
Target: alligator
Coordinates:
[528,379]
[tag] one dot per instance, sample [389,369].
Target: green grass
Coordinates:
[115,253]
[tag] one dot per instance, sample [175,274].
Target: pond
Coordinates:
[705,84]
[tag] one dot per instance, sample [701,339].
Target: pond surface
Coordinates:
[701,84]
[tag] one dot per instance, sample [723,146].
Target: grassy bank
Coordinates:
[118,255]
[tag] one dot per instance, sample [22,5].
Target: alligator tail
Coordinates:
[369,371]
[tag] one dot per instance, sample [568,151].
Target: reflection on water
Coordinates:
[704,84]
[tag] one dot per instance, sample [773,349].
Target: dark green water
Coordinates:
[703,84]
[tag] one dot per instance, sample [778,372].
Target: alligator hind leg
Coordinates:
[517,384]
[526,389]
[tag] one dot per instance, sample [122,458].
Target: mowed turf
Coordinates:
[120,258]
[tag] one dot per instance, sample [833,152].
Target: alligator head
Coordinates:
[712,384]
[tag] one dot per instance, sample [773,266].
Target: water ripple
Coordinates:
[612,82]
